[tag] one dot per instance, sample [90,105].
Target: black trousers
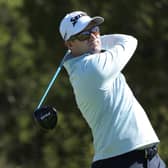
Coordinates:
[147,158]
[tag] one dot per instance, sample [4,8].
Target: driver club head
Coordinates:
[46,117]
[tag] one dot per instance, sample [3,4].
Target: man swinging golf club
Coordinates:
[122,133]
[123,136]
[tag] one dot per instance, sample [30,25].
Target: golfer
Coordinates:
[123,135]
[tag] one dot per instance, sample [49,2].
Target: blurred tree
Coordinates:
[31,49]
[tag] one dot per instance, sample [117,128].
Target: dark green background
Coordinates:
[31,49]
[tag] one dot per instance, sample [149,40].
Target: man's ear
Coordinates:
[68,44]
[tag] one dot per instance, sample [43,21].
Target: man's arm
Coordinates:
[107,65]
[122,49]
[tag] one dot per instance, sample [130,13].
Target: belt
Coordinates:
[147,153]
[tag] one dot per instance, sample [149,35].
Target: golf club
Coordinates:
[46,116]
[52,80]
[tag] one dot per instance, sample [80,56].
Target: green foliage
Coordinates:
[30,51]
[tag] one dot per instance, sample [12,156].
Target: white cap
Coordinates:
[73,23]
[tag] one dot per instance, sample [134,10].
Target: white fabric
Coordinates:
[118,122]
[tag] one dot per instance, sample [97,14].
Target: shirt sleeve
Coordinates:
[123,48]
[107,65]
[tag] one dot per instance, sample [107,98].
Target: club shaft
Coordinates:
[52,80]
[49,86]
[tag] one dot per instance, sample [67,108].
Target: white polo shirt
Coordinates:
[118,122]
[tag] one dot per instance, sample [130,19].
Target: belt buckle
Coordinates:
[146,154]
[150,152]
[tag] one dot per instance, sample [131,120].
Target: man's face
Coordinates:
[86,41]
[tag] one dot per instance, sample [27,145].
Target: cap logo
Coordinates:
[74,19]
